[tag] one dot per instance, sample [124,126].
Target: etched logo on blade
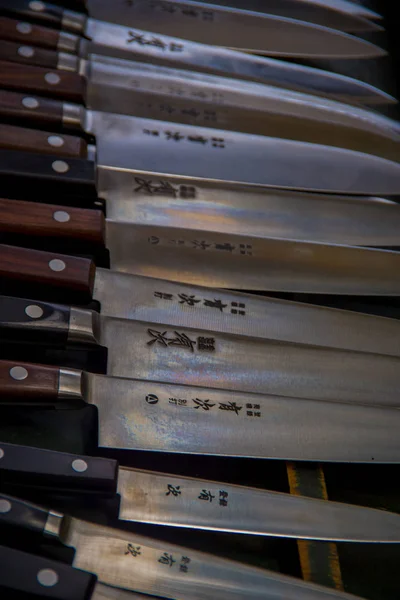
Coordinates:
[151,399]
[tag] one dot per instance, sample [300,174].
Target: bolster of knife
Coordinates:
[44,142]
[20,514]
[38,577]
[57,471]
[39,80]
[30,34]
[44,322]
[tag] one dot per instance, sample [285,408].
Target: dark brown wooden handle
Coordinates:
[44,142]
[48,268]
[59,84]
[28,55]
[47,220]
[28,33]
[35,109]
[25,381]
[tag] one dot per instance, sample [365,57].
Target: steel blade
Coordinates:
[349,7]
[162,417]
[127,560]
[246,210]
[157,92]
[164,499]
[231,28]
[163,148]
[159,352]
[106,592]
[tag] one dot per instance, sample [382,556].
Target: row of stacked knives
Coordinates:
[174,174]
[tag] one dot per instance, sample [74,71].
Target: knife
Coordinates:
[159,147]
[352,8]
[142,564]
[200,57]
[156,92]
[165,499]
[34,140]
[341,16]
[157,352]
[34,576]
[203,23]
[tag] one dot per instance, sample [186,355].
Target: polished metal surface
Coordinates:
[73,115]
[164,417]
[143,298]
[82,326]
[246,210]
[70,384]
[54,524]
[158,352]
[160,147]
[106,592]
[352,8]
[165,499]
[156,92]
[67,42]
[141,564]
[228,27]
[68,62]
[117,41]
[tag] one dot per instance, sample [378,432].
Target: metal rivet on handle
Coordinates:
[34,311]
[57,265]
[5,506]
[79,465]
[29,102]
[1,453]
[52,78]
[56,141]
[60,166]
[61,216]
[26,51]
[24,27]
[37,5]
[19,373]
[47,577]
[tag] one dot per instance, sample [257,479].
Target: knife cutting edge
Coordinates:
[145,565]
[209,59]
[156,352]
[134,297]
[166,499]
[202,23]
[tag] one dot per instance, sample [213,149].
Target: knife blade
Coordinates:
[210,59]
[139,563]
[352,8]
[186,356]
[165,499]
[128,296]
[155,92]
[341,16]
[132,143]
[202,23]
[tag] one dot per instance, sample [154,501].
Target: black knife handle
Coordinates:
[38,577]
[57,471]
[20,514]
[33,321]
[28,55]
[45,12]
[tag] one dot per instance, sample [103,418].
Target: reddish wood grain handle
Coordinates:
[41,111]
[16,30]
[34,140]
[28,55]
[25,381]
[48,268]
[48,220]
[59,84]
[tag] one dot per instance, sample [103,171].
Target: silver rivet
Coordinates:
[52,78]
[19,373]
[1,453]
[57,265]
[5,506]
[34,311]
[60,166]
[26,51]
[61,216]
[30,102]
[24,27]
[56,141]
[79,465]
[37,5]
[47,577]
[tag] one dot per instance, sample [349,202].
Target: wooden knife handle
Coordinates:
[47,268]
[45,12]
[34,140]
[35,109]
[28,55]
[29,33]
[22,515]
[56,471]
[20,573]
[26,381]
[38,80]
[48,220]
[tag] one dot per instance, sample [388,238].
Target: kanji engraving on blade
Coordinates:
[133,550]
[174,490]
[206,495]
